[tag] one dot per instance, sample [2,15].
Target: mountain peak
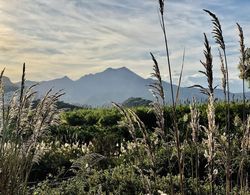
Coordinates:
[124,69]
[117,69]
[110,72]
[122,72]
[65,78]
[112,84]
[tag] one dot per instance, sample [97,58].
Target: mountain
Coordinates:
[115,85]
[8,85]
[111,85]
[239,95]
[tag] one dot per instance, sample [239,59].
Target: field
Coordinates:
[196,148]
[107,158]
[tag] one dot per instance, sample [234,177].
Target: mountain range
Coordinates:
[115,85]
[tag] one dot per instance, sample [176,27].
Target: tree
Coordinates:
[134,102]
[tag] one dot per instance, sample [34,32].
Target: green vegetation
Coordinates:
[178,149]
[84,132]
[22,129]
[133,102]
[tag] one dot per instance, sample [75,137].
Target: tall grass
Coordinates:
[219,39]
[174,118]
[133,122]
[224,75]
[216,152]
[196,128]
[242,68]
[213,137]
[210,130]
[21,130]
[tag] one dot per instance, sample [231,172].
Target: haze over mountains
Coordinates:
[110,85]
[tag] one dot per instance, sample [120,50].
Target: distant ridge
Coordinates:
[110,85]
[8,85]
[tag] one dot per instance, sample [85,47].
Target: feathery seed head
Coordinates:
[224,73]
[217,30]
[208,69]
[161,3]
[242,45]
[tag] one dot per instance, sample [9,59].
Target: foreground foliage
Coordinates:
[22,126]
[181,149]
[123,165]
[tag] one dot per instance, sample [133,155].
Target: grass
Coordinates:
[174,118]
[22,128]
[186,154]
[212,146]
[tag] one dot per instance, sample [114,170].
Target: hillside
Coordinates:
[113,85]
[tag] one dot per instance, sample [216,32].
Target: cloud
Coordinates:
[197,78]
[77,37]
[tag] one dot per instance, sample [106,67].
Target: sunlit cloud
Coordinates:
[77,37]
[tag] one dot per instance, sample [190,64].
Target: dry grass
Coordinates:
[158,104]
[219,39]
[133,122]
[196,128]
[174,118]
[22,126]
[224,76]
[210,130]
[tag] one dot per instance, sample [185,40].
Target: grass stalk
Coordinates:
[211,111]
[223,80]
[219,39]
[21,129]
[158,108]
[133,122]
[175,126]
[242,67]
[243,70]
[180,77]
[210,130]
[195,126]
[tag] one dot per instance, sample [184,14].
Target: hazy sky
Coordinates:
[77,37]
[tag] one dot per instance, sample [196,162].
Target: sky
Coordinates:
[77,37]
